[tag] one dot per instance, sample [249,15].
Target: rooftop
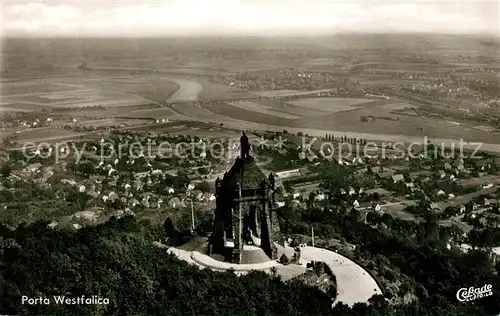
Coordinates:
[252,175]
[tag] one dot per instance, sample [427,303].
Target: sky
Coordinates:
[129,18]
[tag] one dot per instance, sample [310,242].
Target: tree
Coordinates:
[168,226]
[5,170]
[373,218]
[204,187]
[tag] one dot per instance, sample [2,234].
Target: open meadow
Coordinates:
[260,108]
[333,105]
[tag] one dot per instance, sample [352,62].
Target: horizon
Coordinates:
[259,36]
[224,18]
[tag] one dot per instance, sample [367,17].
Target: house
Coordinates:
[462,208]
[112,196]
[319,197]
[34,167]
[386,174]
[459,164]
[435,207]
[135,202]
[156,172]
[70,182]
[377,207]
[288,173]
[356,203]
[475,206]
[490,201]
[397,178]
[282,151]
[358,160]
[483,221]
[199,196]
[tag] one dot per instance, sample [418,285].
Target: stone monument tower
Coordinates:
[245,199]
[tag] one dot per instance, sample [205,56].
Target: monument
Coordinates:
[245,198]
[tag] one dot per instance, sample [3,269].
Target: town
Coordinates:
[271,159]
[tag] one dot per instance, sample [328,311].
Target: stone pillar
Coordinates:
[237,228]
[253,220]
[217,238]
[266,226]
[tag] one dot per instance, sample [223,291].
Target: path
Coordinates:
[354,284]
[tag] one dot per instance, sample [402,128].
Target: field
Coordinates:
[333,105]
[112,122]
[279,106]
[44,134]
[398,106]
[158,113]
[122,76]
[228,110]
[16,87]
[4,108]
[71,92]
[256,107]
[288,93]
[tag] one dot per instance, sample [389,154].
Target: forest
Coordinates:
[118,260]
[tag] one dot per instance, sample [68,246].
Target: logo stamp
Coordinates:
[471,293]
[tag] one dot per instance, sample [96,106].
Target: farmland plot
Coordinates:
[9,88]
[288,93]
[333,105]
[279,106]
[256,107]
[246,115]
[398,106]
[43,133]
[152,87]
[79,98]
[149,113]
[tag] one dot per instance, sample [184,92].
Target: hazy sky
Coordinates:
[252,17]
